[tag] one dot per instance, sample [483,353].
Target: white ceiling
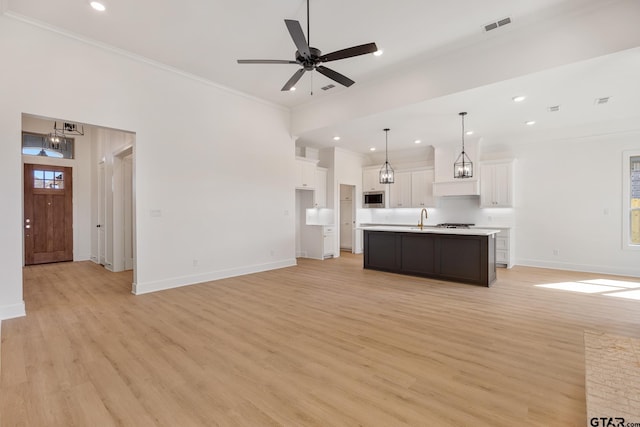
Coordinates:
[206,37]
[494,117]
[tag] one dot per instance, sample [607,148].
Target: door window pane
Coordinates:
[48,179]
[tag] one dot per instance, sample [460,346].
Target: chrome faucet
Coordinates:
[426,215]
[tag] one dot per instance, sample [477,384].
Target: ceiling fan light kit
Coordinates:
[311,58]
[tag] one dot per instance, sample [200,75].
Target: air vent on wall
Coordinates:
[500,23]
[600,101]
[554,108]
[327,87]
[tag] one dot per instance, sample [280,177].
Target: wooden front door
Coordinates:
[48,214]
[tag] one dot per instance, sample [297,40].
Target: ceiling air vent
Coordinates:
[600,101]
[554,108]
[327,87]
[500,23]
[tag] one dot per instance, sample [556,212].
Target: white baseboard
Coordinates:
[587,268]
[12,311]
[176,282]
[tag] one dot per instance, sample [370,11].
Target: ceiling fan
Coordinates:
[311,58]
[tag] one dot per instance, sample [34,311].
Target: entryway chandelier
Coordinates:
[463,167]
[59,140]
[386,171]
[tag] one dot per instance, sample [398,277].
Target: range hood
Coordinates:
[444,183]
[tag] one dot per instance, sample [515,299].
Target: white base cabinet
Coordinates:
[505,246]
[318,241]
[329,241]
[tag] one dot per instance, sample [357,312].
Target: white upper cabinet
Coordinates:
[306,173]
[422,188]
[320,194]
[496,184]
[400,191]
[371,180]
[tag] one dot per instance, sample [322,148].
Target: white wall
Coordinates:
[212,161]
[81,172]
[569,197]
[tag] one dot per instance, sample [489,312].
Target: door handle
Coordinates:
[98,226]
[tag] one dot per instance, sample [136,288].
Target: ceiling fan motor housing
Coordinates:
[309,63]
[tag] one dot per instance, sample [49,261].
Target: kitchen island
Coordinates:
[459,255]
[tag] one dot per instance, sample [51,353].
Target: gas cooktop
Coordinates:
[454,225]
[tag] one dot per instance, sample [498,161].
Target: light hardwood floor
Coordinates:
[325,343]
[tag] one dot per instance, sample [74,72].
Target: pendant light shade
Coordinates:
[463,167]
[386,171]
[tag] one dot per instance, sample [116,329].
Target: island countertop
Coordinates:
[431,229]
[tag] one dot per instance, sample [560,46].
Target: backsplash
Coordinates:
[450,209]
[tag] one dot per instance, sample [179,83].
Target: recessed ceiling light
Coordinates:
[530,123]
[600,101]
[519,98]
[417,141]
[554,108]
[98,6]
[378,52]
[336,138]
[372,149]
[293,88]
[469,132]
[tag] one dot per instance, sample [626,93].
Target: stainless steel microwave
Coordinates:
[373,199]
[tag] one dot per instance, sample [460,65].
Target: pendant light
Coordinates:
[463,167]
[386,171]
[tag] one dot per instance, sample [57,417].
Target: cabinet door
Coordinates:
[320,194]
[502,188]
[400,190]
[306,174]
[486,185]
[422,188]
[496,185]
[329,236]
[371,180]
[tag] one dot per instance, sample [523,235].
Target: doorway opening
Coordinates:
[102,165]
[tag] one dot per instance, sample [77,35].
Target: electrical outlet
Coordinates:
[489,218]
[556,252]
[195,262]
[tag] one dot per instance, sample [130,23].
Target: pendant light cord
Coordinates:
[463,114]
[386,145]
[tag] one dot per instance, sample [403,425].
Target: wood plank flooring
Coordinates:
[325,343]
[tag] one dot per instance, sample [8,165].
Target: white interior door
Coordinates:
[346,224]
[102,214]
[127,206]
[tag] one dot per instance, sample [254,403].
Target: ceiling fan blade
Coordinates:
[293,80]
[334,75]
[349,52]
[265,61]
[298,37]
